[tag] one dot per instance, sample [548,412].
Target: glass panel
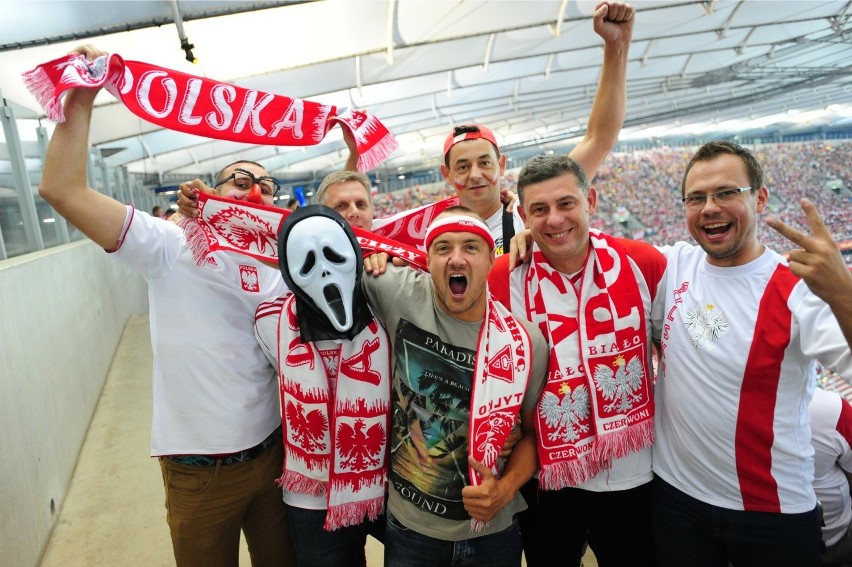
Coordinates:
[12,224]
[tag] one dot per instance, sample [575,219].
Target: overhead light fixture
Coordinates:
[187,49]
[184,41]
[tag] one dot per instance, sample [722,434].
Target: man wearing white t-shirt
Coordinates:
[216,422]
[473,165]
[739,334]
[831,430]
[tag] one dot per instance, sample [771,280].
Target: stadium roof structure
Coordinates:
[528,69]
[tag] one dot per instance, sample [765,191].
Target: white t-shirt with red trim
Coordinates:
[214,390]
[831,429]
[735,380]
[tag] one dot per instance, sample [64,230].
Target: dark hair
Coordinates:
[712,150]
[221,175]
[545,167]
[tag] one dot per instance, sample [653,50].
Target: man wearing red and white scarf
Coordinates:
[591,296]
[216,422]
[465,370]
[474,166]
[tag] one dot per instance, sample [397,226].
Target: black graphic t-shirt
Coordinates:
[430,417]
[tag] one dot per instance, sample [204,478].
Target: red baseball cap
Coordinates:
[468,132]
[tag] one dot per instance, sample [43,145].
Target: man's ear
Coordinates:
[592,198]
[445,171]
[762,199]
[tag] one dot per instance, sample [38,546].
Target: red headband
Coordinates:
[458,223]
[483,133]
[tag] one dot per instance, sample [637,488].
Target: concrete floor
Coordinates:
[113,514]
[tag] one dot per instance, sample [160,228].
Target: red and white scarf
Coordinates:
[598,402]
[336,438]
[504,350]
[205,107]
[500,376]
[250,229]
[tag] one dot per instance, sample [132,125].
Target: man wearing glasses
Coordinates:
[739,333]
[260,189]
[216,422]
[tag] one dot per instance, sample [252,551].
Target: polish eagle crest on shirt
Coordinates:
[705,325]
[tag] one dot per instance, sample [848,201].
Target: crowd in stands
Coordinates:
[646,186]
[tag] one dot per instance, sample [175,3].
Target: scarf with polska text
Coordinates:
[336,420]
[597,404]
[205,107]
[252,230]
[500,376]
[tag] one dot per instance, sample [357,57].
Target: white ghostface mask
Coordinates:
[321,261]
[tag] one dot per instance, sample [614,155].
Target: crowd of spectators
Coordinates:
[639,193]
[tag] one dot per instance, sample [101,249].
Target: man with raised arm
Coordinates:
[216,423]
[473,165]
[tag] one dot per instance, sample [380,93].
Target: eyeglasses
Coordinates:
[719,197]
[269,186]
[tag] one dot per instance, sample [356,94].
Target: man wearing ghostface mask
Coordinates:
[322,264]
[333,364]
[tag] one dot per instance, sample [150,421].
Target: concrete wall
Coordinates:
[62,312]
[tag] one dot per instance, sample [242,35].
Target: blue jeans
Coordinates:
[558,524]
[407,548]
[692,533]
[316,547]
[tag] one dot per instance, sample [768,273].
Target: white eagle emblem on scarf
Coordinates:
[565,415]
[620,385]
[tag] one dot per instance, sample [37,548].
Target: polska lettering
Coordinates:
[205,107]
[194,103]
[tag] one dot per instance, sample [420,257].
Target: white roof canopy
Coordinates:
[527,69]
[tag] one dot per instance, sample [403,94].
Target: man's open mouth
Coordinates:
[458,284]
[716,228]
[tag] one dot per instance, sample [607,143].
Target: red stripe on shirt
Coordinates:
[756,412]
[844,422]
[270,307]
